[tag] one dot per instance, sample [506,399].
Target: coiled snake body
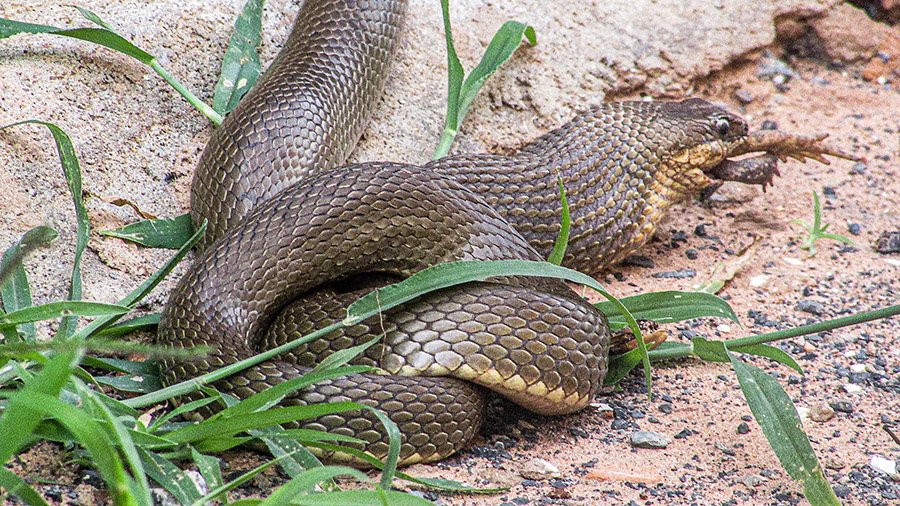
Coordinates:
[294,236]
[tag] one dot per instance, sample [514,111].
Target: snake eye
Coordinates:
[723,126]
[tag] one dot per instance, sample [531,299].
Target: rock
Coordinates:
[888,242]
[605,410]
[743,96]
[650,440]
[679,274]
[886,466]
[847,35]
[539,469]
[639,261]
[821,413]
[752,480]
[810,306]
[851,388]
[842,406]
[886,62]
[759,281]
[743,428]
[691,253]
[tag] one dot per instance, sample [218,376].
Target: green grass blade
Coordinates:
[211,469]
[65,309]
[296,458]
[233,484]
[362,498]
[170,477]
[340,357]
[315,436]
[14,288]
[120,435]
[455,75]
[72,172]
[620,365]
[93,18]
[505,42]
[668,307]
[305,481]
[240,66]
[434,483]
[461,93]
[236,425]
[169,233]
[776,415]
[131,384]
[274,394]
[110,39]
[17,487]
[89,434]
[562,239]
[19,420]
[776,354]
[141,323]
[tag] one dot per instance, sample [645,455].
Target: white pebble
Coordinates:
[758,281]
[884,465]
[858,368]
[850,388]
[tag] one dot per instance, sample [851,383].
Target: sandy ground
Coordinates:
[136,139]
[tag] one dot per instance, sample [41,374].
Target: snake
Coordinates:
[295,234]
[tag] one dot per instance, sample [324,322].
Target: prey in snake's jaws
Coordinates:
[762,169]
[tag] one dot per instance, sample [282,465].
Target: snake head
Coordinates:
[709,137]
[701,135]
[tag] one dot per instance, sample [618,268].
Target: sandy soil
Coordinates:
[137,140]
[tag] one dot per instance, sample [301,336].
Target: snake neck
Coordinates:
[620,166]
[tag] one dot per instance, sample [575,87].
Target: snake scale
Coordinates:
[294,235]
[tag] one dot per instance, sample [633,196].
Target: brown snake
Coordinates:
[294,236]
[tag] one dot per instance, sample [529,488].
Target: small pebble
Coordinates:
[743,96]
[858,168]
[639,261]
[858,368]
[723,328]
[539,469]
[810,306]
[743,428]
[691,253]
[666,408]
[886,466]
[647,439]
[679,274]
[759,281]
[851,388]
[821,413]
[752,480]
[888,242]
[854,228]
[842,406]
[768,125]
